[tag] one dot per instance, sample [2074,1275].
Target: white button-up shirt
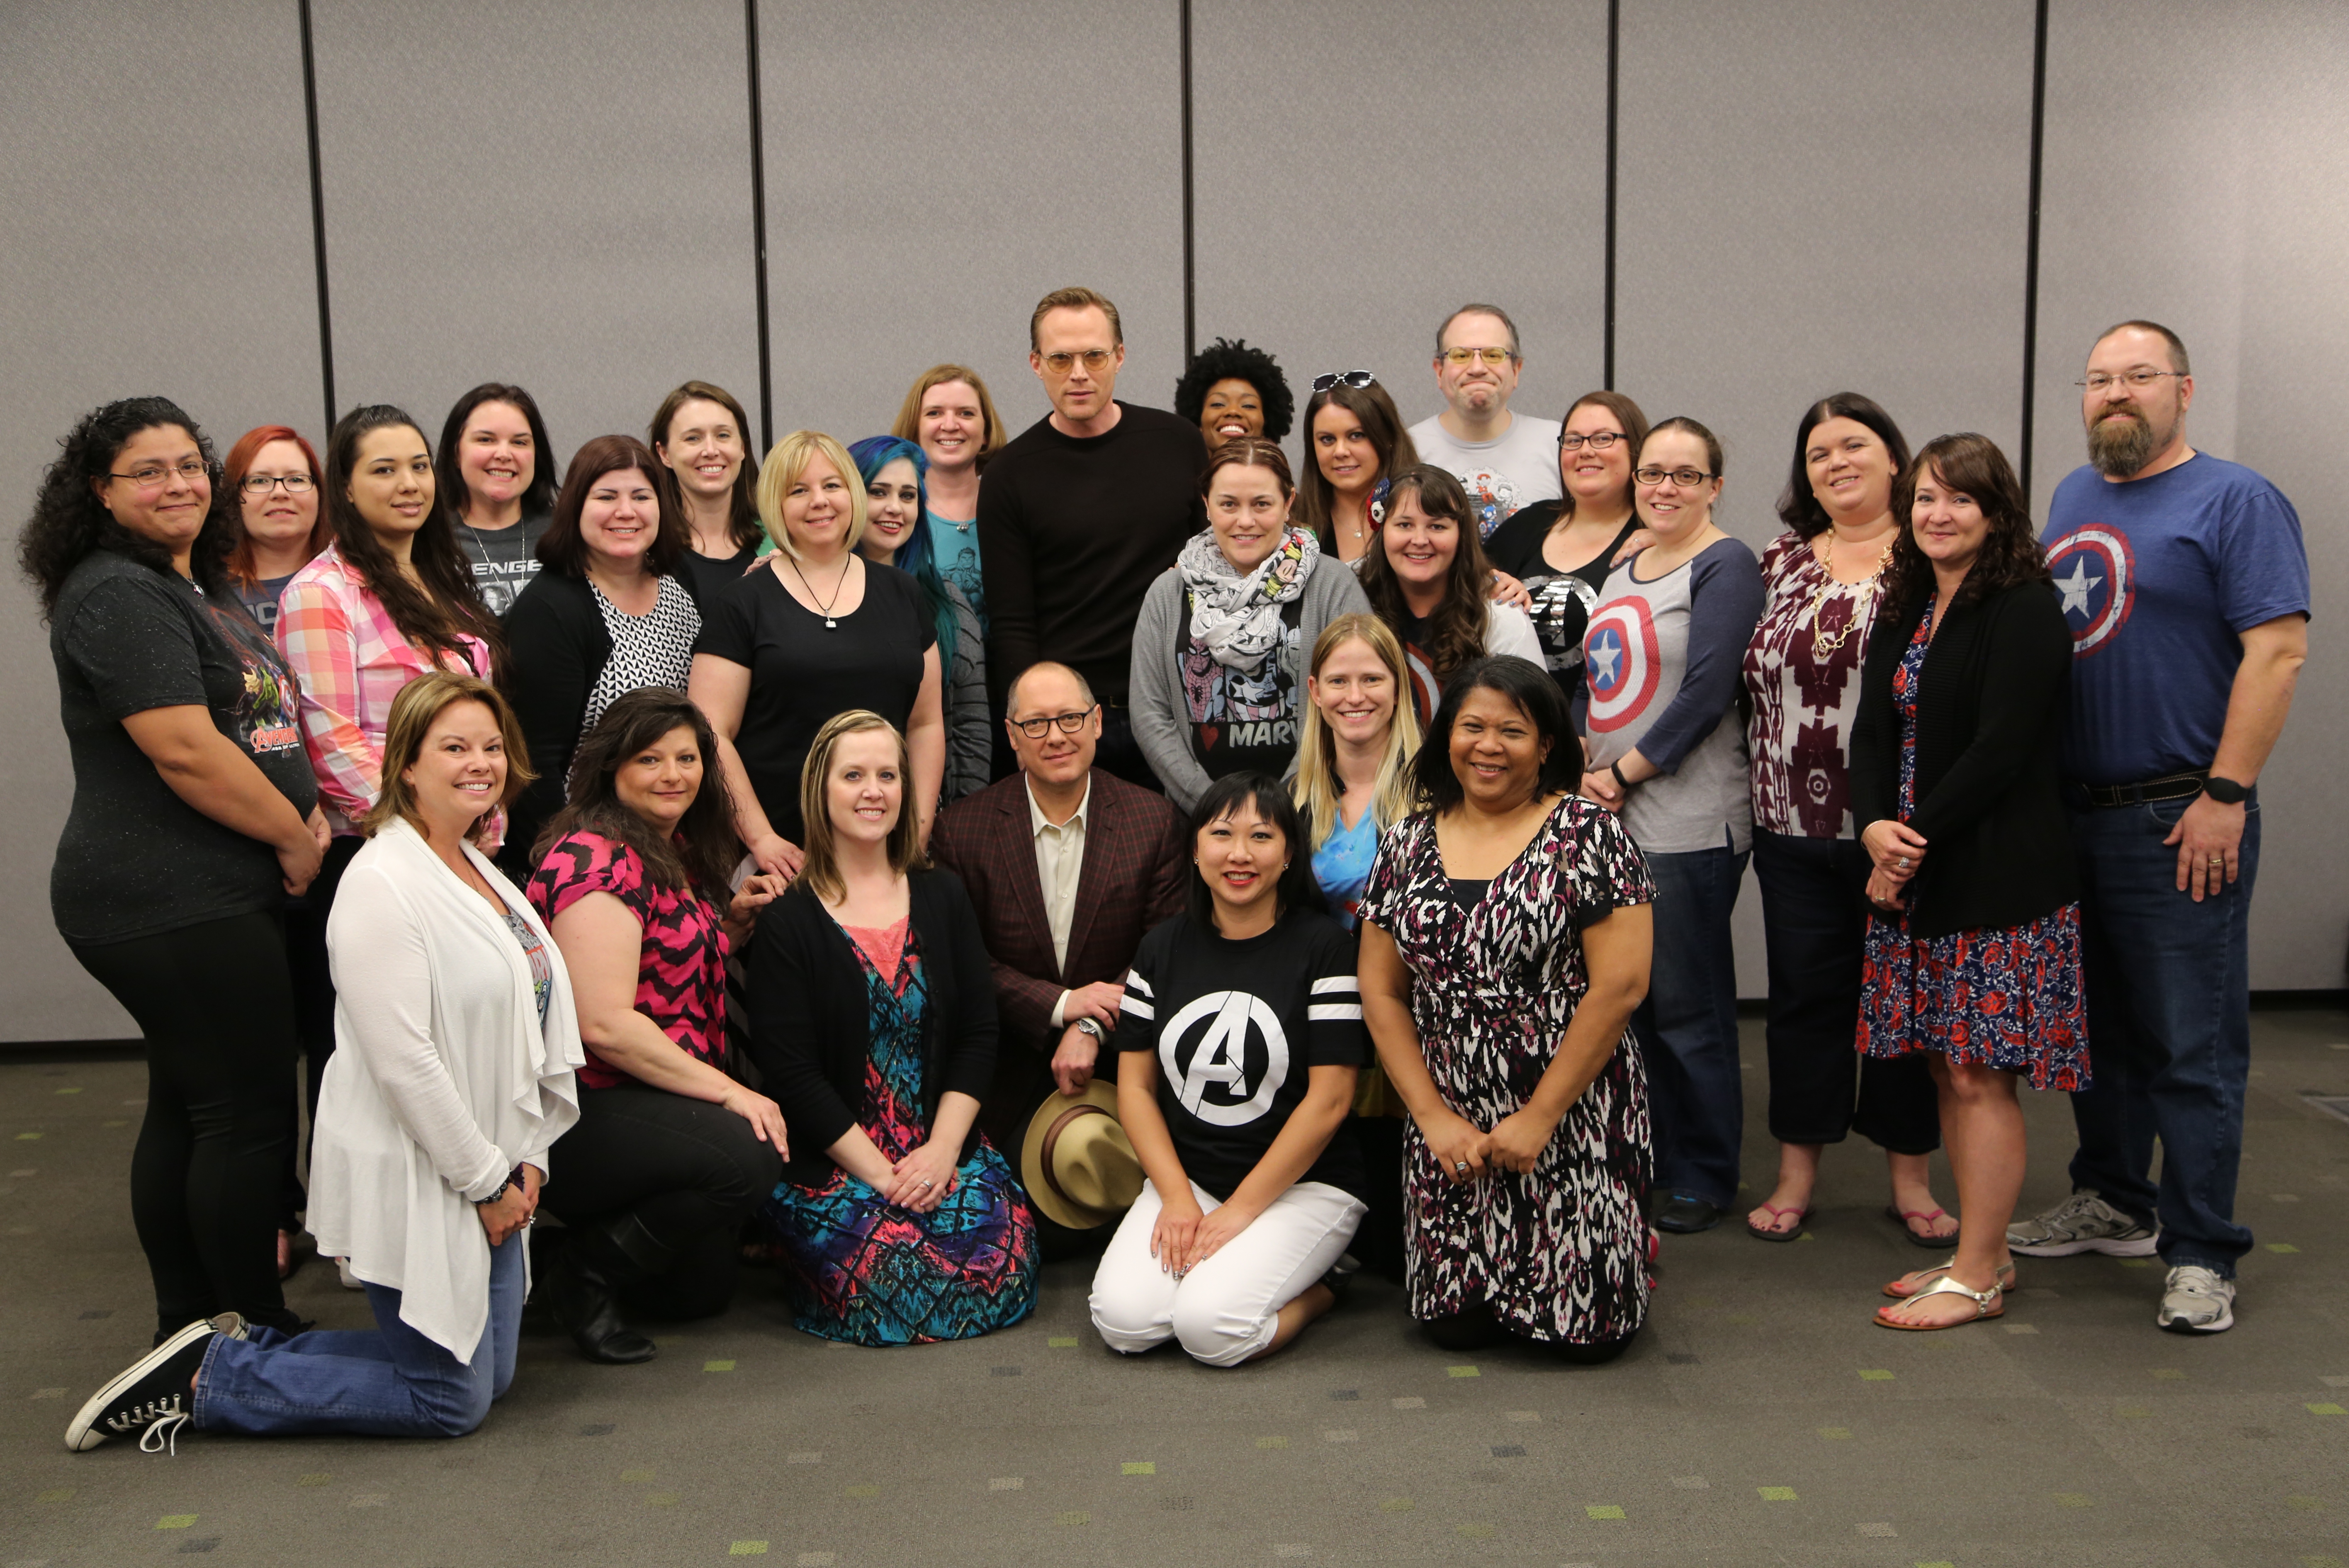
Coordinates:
[1060,863]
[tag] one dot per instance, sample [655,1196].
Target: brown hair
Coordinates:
[446,606]
[820,872]
[908,425]
[1798,508]
[1382,422]
[1074,299]
[1492,310]
[2177,360]
[1248,452]
[1457,629]
[240,570]
[1971,464]
[413,711]
[742,501]
[562,549]
[1627,414]
[700,856]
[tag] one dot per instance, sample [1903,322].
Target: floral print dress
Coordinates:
[2007,999]
[1557,1255]
[861,1269]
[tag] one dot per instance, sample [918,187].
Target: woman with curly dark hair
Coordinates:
[1973,959]
[194,814]
[1427,578]
[1231,391]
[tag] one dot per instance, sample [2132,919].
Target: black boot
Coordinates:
[596,1262]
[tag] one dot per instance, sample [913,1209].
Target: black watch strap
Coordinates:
[2226,791]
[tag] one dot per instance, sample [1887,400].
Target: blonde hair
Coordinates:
[419,703]
[1395,795]
[788,459]
[820,872]
[908,427]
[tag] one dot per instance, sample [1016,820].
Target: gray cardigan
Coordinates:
[1162,726]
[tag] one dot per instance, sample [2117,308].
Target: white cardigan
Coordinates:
[441,1080]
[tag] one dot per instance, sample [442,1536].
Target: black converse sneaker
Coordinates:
[152,1396]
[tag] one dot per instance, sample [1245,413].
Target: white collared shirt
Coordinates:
[1060,863]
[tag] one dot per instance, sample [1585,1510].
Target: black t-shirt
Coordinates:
[803,672]
[1238,1027]
[504,560]
[134,859]
[707,576]
[1562,600]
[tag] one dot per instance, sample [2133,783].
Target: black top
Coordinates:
[1238,1027]
[803,672]
[1562,600]
[812,1030]
[1989,721]
[504,560]
[134,859]
[1071,534]
[557,644]
[706,577]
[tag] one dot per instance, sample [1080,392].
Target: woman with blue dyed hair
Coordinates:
[895,502]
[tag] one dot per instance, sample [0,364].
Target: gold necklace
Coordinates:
[1825,645]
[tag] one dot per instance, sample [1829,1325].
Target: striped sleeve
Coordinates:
[1334,1034]
[1137,1012]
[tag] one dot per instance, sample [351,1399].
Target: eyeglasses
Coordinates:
[1070,723]
[1495,357]
[1095,360]
[262,484]
[155,476]
[1687,478]
[2097,381]
[1354,379]
[1597,440]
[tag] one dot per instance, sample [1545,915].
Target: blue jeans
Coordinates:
[1688,1026]
[2169,1032]
[387,1381]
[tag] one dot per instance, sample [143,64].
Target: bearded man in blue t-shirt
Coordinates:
[2186,584]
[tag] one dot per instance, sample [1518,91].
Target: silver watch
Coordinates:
[1092,1026]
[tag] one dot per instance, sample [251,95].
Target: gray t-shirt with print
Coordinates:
[1516,471]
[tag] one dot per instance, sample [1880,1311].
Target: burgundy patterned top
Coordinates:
[681,975]
[1799,739]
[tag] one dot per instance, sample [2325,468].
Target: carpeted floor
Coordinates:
[1760,1419]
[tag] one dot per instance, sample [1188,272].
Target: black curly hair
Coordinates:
[1233,359]
[68,522]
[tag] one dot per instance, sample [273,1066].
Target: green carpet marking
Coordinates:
[1395,1505]
[2282,1247]
[1062,1342]
[315,1477]
[1461,1372]
[2319,1562]
[1138,1467]
[1835,1431]
[2327,1410]
[1603,1511]
[636,1475]
[1806,1236]
[55,1494]
[2302,1503]
[1776,1493]
[2170,1374]
[1876,1375]
[2071,1500]
[1272,1442]
[72,1091]
[747,1549]
[661,1499]
[1072,1517]
[1937,1565]
[175,1521]
[865,1490]
[1477,1531]
[718,1366]
[29,1138]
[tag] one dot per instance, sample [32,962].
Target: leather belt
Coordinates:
[2170,787]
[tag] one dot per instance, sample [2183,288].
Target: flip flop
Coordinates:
[1770,1234]
[1991,1303]
[1901,1217]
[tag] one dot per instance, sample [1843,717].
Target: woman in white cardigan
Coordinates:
[456,1042]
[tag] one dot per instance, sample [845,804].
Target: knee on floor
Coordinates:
[1217,1337]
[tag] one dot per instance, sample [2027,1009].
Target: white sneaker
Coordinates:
[2195,1300]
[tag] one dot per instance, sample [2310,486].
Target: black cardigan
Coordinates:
[1991,704]
[556,647]
[810,1033]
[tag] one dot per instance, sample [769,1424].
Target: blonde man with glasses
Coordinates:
[1503,460]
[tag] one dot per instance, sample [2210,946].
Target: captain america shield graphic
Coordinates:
[2096,577]
[1618,656]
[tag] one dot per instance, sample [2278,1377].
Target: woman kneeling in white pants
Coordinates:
[1239,1039]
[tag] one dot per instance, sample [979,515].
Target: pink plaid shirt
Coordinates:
[352,661]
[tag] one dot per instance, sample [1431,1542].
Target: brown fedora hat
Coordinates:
[1075,1162]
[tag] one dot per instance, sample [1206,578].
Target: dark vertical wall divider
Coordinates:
[1722,210]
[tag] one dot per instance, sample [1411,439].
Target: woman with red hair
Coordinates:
[269,488]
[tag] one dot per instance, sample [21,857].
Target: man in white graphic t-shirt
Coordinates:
[1503,460]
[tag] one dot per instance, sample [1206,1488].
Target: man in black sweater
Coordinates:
[1079,514]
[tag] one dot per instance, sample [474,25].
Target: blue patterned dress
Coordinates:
[860,1269]
[2009,999]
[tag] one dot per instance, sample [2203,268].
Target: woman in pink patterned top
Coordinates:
[671,1154]
[1802,676]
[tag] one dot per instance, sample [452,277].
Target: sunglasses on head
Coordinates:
[1357,379]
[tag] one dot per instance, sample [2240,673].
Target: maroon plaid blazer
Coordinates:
[1134,878]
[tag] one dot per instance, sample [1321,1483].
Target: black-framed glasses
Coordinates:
[1597,440]
[262,484]
[1687,478]
[2137,379]
[1093,359]
[1358,379]
[1070,723]
[154,476]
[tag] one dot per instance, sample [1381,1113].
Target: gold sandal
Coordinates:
[1991,1303]
[1915,1278]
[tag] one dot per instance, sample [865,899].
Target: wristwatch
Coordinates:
[1092,1026]
[2226,791]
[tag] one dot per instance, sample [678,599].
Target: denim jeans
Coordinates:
[1688,1026]
[2169,1031]
[1815,925]
[387,1381]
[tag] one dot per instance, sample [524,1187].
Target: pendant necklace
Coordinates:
[837,589]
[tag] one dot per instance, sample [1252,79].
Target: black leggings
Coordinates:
[687,1170]
[216,1005]
[313,992]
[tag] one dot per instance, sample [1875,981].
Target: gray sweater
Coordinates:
[1161,712]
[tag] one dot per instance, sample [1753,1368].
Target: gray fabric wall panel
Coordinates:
[1813,197]
[158,241]
[2196,177]
[931,173]
[1344,208]
[551,192]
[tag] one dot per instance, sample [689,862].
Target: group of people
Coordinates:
[901,862]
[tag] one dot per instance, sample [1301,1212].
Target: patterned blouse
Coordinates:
[681,974]
[654,649]
[1801,672]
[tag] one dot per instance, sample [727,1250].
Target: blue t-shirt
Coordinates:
[954,547]
[1343,865]
[2159,578]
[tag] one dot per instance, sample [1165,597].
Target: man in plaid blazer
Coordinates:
[1067,866]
